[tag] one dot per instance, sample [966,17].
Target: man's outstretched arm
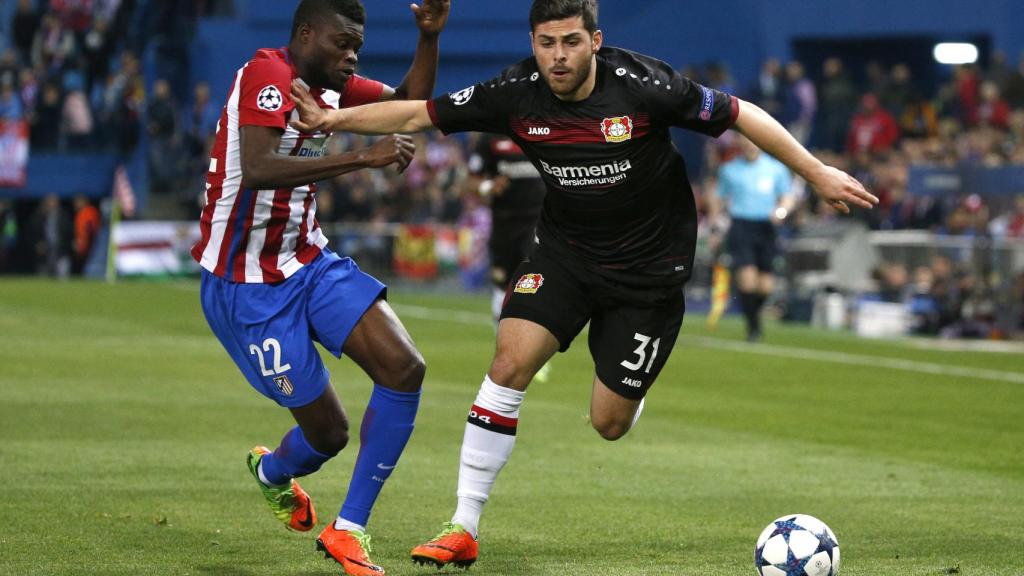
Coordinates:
[397,116]
[418,83]
[263,168]
[833,185]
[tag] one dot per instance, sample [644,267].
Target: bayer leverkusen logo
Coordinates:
[529,283]
[617,129]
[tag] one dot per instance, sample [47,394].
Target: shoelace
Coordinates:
[364,541]
[448,530]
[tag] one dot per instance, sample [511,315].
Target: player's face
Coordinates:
[565,55]
[333,52]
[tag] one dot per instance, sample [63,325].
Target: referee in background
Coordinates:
[755,189]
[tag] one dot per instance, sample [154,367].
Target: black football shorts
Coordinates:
[632,329]
[752,243]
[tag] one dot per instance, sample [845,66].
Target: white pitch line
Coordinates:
[862,360]
[855,359]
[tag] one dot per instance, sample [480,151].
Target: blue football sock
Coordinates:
[385,430]
[292,459]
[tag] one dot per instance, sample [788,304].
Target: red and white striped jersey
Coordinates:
[265,236]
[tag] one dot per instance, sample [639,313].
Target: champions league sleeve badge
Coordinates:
[269,99]
[462,96]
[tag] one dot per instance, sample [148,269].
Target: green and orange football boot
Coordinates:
[350,548]
[454,545]
[289,503]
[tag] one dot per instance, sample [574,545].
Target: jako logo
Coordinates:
[539,131]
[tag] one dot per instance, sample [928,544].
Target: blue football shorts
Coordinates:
[269,329]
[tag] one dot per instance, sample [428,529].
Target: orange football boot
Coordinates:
[289,503]
[454,545]
[350,548]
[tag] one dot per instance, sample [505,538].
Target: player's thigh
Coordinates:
[547,292]
[630,344]
[339,296]
[263,328]
[382,347]
[545,308]
[348,314]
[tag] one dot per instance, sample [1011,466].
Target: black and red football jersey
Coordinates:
[618,197]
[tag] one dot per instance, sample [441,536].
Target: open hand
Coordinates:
[397,149]
[840,189]
[432,16]
[311,118]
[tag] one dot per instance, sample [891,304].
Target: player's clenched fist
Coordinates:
[432,16]
[395,149]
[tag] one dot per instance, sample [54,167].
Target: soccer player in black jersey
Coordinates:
[617,233]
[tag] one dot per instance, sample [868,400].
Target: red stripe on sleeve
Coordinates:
[432,112]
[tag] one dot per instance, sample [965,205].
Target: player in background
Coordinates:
[505,179]
[755,189]
[271,287]
[617,235]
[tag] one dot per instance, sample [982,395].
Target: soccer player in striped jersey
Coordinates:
[271,287]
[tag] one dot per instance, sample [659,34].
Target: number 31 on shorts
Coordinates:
[641,352]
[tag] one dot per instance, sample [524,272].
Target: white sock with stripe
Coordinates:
[488,441]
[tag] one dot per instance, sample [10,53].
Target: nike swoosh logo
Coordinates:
[359,562]
[307,522]
[383,467]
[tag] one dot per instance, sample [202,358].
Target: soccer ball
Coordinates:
[797,545]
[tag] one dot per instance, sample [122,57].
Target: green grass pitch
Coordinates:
[124,428]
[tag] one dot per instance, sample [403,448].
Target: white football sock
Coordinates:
[342,524]
[488,441]
[639,411]
[497,299]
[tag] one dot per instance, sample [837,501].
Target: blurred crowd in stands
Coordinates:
[74,72]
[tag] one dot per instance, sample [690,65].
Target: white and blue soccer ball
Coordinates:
[797,545]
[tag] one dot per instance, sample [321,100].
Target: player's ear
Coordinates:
[598,41]
[532,49]
[305,32]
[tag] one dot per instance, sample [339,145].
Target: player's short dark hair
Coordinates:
[547,10]
[312,10]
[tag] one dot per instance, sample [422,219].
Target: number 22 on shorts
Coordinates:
[268,345]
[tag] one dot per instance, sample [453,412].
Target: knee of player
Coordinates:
[332,441]
[506,370]
[406,374]
[412,376]
[610,430]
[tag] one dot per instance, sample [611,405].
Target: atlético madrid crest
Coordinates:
[284,384]
[529,283]
[617,129]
